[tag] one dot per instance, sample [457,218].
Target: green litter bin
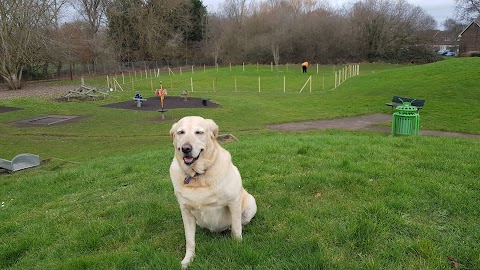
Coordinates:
[406,120]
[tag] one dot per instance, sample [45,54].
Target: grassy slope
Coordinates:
[332,199]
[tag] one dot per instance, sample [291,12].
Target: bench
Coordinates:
[397,101]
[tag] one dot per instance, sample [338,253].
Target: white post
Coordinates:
[271,66]
[146,74]
[243,63]
[258,84]
[284,87]
[116,83]
[192,69]
[335,79]
[305,84]
[108,83]
[317,68]
[191,84]
[123,79]
[181,71]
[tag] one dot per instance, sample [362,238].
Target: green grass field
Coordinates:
[329,199]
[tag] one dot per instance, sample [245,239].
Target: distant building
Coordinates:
[444,41]
[470,39]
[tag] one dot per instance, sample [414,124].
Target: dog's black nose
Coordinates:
[186,148]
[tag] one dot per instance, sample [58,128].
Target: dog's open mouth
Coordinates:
[189,160]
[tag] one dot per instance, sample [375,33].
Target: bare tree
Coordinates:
[92,12]
[467,10]
[212,45]
[22,28]
[453,28]
[389,29]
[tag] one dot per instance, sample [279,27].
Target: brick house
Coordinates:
[444,41]
[470,39]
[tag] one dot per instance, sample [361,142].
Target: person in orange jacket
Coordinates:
[304,67]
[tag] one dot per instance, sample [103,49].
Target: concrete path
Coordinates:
[365,122]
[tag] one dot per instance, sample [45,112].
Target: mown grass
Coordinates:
[327,199]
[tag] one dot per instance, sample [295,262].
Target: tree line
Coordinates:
[40,38]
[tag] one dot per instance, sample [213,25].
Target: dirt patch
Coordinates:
[170,102]
[36,90]
[366,122]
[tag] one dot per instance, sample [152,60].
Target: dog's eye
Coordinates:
[180,132]
[199,132]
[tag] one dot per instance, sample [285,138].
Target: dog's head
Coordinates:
[193,138]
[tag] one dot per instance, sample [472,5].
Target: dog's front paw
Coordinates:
[237,236]
[187,260]
[185,264]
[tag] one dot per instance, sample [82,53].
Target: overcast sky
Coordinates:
[440,10]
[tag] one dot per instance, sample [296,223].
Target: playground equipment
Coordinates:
[85,92]
[20,162]
[185,95]
[139,100]
[161,93]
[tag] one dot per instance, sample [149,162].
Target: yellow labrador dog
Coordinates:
[207,185]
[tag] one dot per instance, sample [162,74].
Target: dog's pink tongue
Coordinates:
[188,159]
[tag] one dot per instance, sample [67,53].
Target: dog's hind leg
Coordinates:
[249,208]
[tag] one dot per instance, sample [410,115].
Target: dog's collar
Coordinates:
[189,178]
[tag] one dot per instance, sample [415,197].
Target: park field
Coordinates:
[329,199]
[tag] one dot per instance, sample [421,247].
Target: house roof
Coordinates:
[473,22]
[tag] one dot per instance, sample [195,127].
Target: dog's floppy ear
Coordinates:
[173,130]
[213,128]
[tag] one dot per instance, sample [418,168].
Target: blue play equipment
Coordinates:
[139,100]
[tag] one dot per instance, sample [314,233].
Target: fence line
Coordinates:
[133,78]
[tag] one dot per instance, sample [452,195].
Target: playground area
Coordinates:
[170,102]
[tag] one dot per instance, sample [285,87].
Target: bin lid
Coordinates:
[407,107]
